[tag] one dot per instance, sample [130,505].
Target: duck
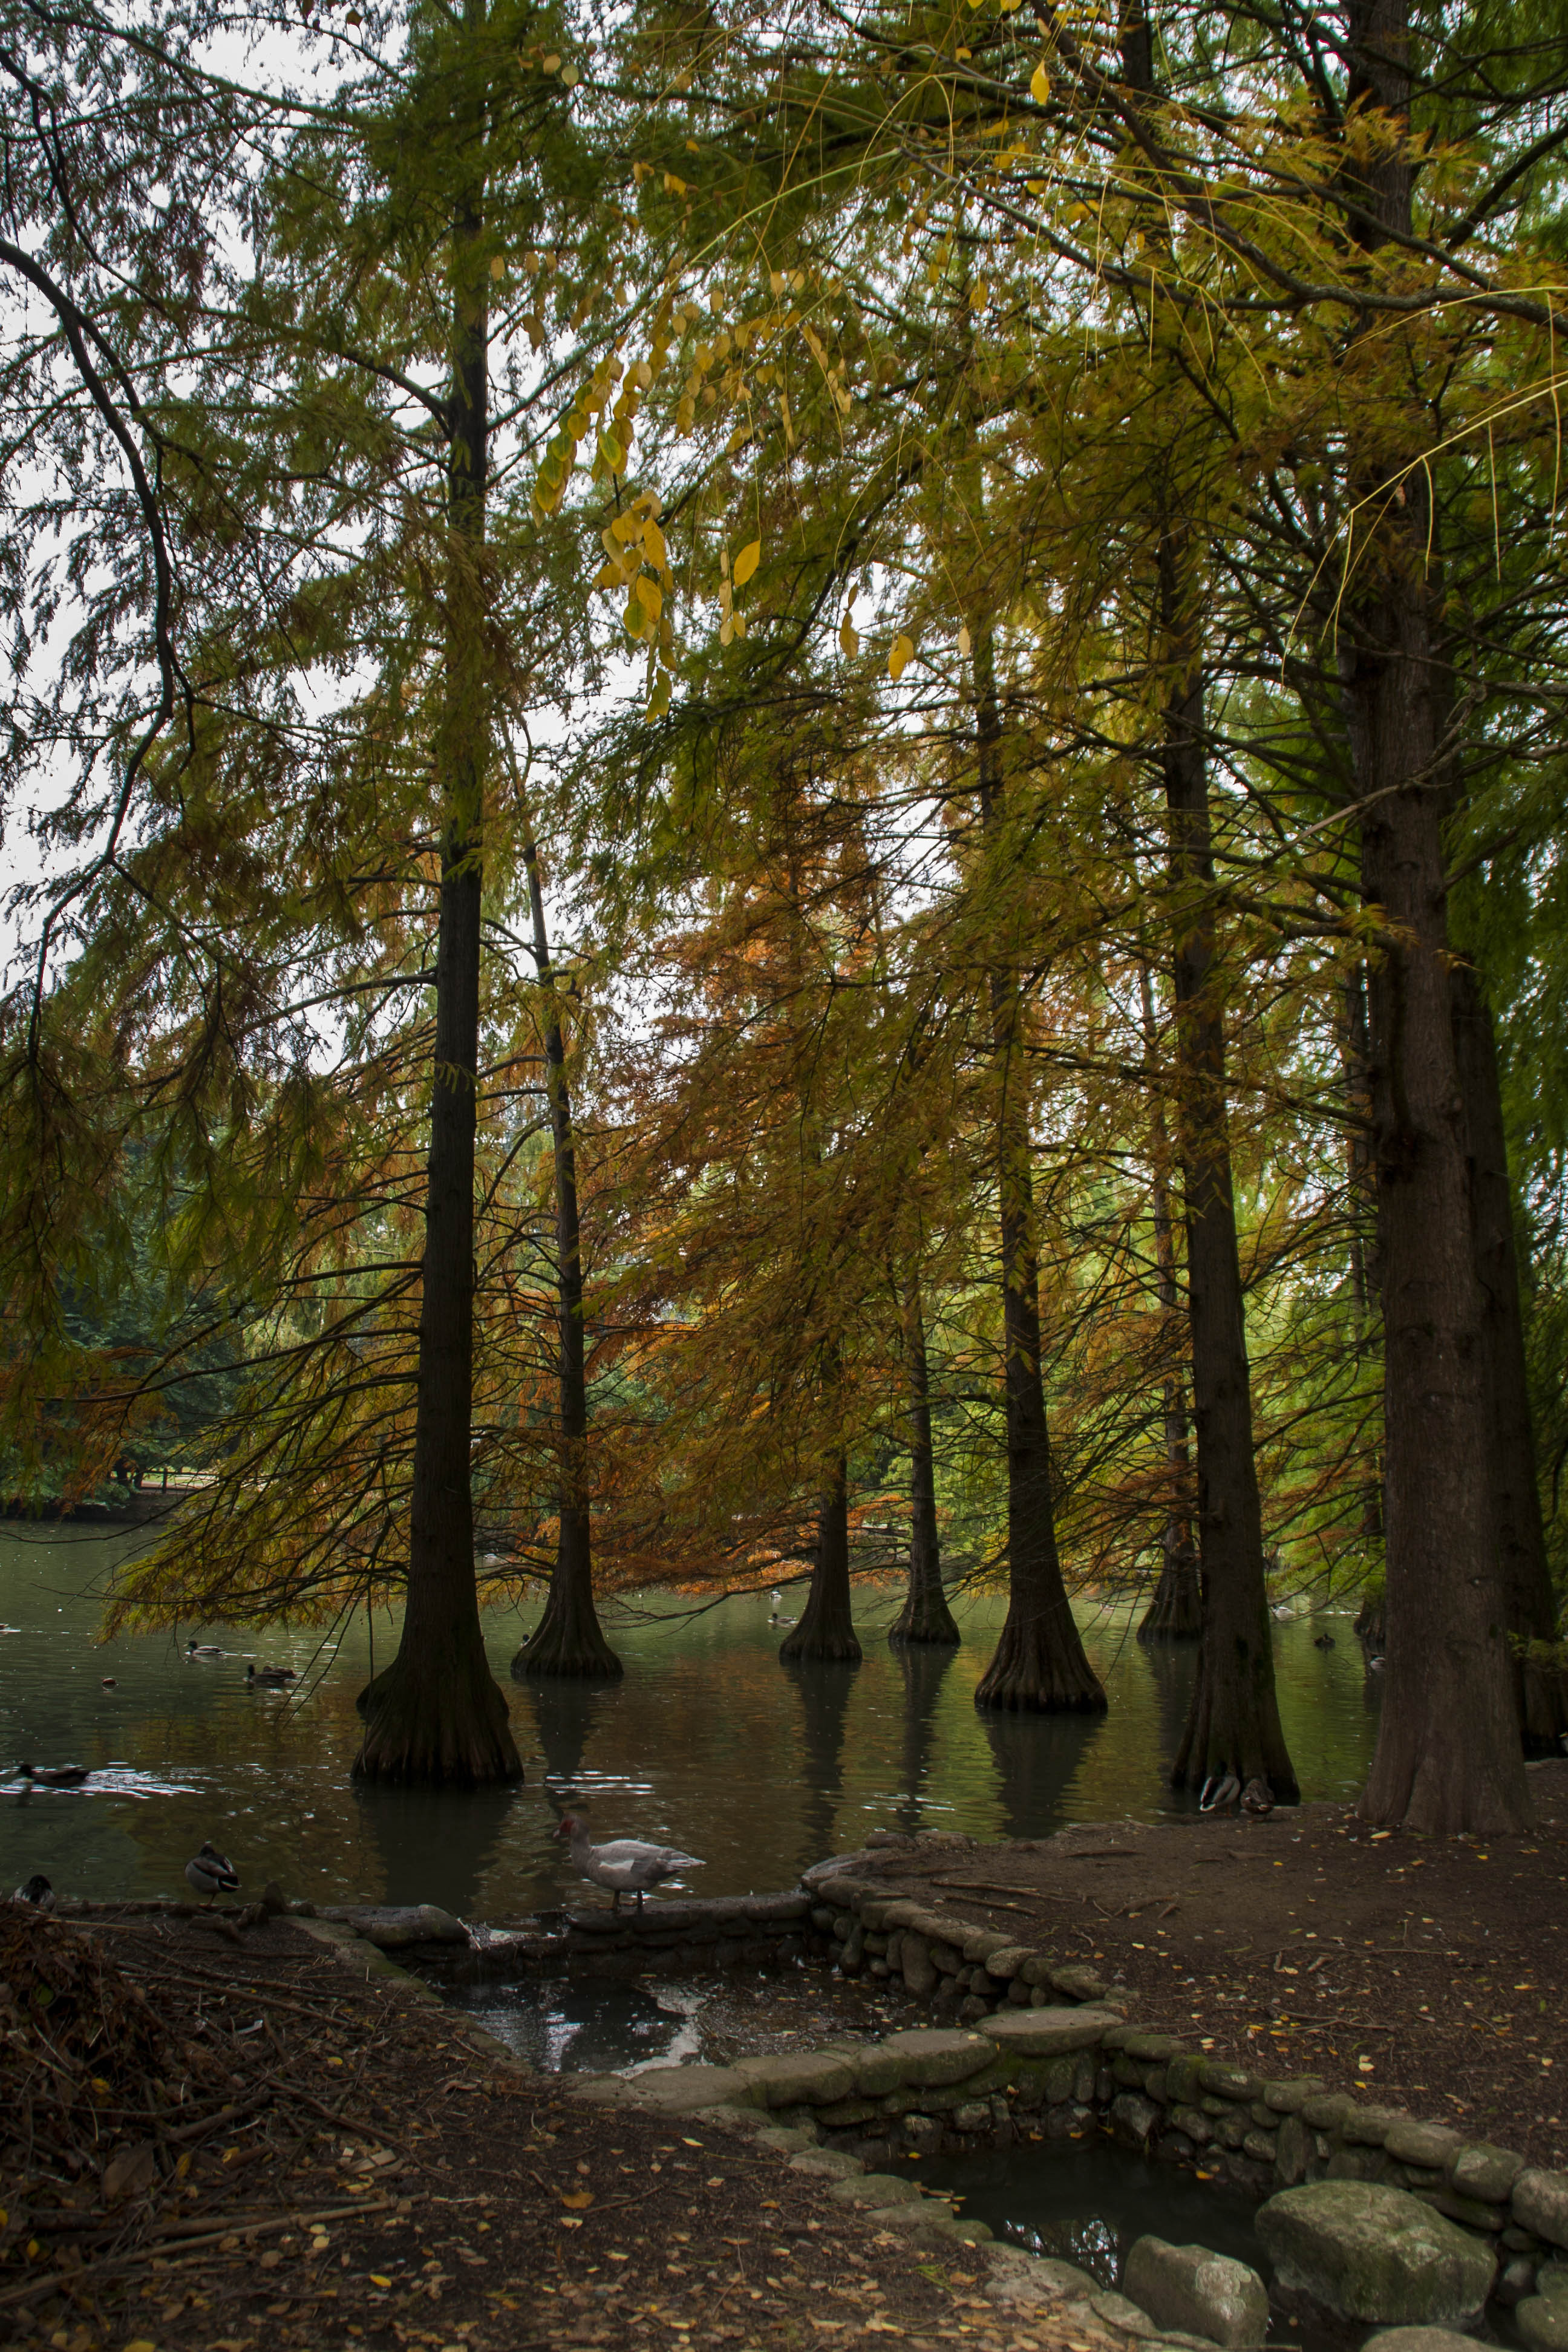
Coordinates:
[54,1776]
[268,1677]
[1374,1665]
[1322,1641]
[1257,1798]
[627,1866]
[1282,1610]
[108,1682]
[36,1891]
[211,1873]
[195,1649]
[1220,1792]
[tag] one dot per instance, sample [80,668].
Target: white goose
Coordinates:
[627,1866]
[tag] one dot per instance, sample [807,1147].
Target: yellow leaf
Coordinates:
[377,2279]
[1039,86]
[848,637]
[579,2201]
[965,643]
[901,654]
[550,65]
[980,294]
[658,700]
[653,544]
[497,267]
[571,78]
[646,592]
[674,185]
[747,562]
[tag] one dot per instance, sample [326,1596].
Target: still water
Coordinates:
[707,1743]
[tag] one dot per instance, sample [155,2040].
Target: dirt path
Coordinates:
[319,2159]
[1432,1972]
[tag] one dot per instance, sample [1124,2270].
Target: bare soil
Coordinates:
[1432,1973]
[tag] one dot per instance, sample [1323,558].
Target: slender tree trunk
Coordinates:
[437,1714]
[1175,1613]
[1039,1667]
[568,1639]
[1541,1685]
[925,1615]
[826,1629]
[1448,1749]
[1360,1187]
[1233,1722]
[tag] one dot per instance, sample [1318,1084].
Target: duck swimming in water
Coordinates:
[54,1776]
[195,1649]
[268,1677]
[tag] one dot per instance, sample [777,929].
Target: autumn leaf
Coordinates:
[1039,86]
[965,643]
[849,639]
[579,2200]
[747,561]
[498,266]
[901,655]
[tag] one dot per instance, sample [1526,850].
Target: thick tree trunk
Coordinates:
[1540,1684]
[1175,1613]
[437,1714]
[1448,1750]
[826,1629]
[1040,1666]
[568,1639]
[925,1615]
[1361,1189]
[1233,1723]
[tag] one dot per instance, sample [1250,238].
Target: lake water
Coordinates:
[707,1743]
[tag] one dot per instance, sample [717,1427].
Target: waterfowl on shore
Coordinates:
[195,1649]
[627,1866]
[268,1677]
[36,1891]
[1257,1798]
[1220,1792]
[211,1873]
[54,1776]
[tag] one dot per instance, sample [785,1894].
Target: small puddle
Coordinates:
[589,2027]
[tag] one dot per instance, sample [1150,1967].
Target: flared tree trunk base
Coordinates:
[1233,1726]
[925,1617]
[1176,1611]
[436,1727]
[821,1638]
[1040,1669]
[567,1642]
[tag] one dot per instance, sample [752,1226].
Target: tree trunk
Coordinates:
[826,1630]
[1233,1722]
[568,1639]
[1541,1685]
[1448,1750]
[1039,1667]
[1361,1189]
[1175,1613]
[925,1615]
[437,1714]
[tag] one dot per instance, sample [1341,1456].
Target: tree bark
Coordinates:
[568,1638]
[1039,1665]
[1362,1190]
[1448,1750]
[1540,1684]
[826,1629]
[925,1615]
[437,1714]
[1175,1613]
[1232,1721]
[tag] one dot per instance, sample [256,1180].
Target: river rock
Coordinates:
[1485,2172]
[1203,2293]
[931,2059]
[1378,2255]
[793,2079]
[1542,2321]
[1046,2032]
[1419,2339]
[687,2090]
[1539,2202]
[393,1926]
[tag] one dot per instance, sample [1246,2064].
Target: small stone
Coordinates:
[1292,2153]
[1020,1994]
[1372,2254]
[1484,2171]
[919,1967]
[1544,2323]
[1118,2310]
[827,2163]
[1260,2145]
[1553,2282]
[1229,2081]
[1426,2144]
[1515,2281]
[1079,1983]
[1193,2122]
[1328,2113]
[1539,2201]
[874,2188]
[1134,2119]
[1152,2048]
[1046,2032]
[1037,1968]
[1289,2099]
[1191,2288]
[924,2132]
[975,2116]
[1370,2126]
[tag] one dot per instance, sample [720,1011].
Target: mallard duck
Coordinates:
[268,1677]
[627,1866]
[211,1873]
[1322,1641]
[54,1776]
[36,1891]
[195,1649]
[1257,1798]
[1220,1792]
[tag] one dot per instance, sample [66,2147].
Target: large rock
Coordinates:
[393,1927]
[1202,2292]
[928,2059]
[1419,2339]
[1543,2319]
[811,2077]
[1377,2254]
[687,2090]
[1046,2032]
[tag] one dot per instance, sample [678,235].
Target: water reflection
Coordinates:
[708,1744]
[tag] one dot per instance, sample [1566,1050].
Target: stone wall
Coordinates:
[752,1931]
